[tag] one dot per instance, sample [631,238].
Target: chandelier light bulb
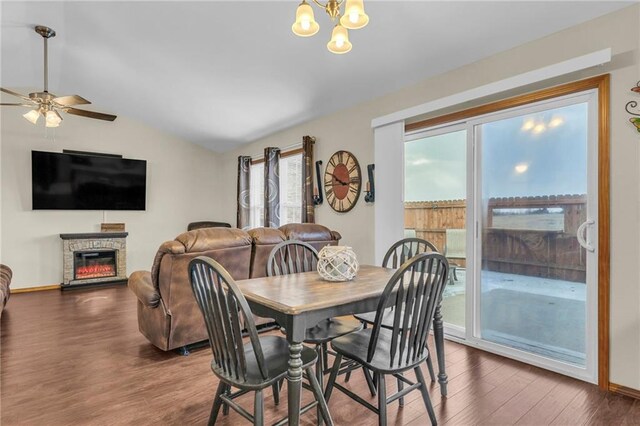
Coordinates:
[354,16]
[339,42]
[32,116]
[305,24]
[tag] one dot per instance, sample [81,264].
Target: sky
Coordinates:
[530,155]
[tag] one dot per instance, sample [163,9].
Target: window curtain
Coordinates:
[272,187]
[244,185]
[308,215]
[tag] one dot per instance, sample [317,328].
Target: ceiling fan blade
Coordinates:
[71,100]
[90,114]
[21,105]
[11,92]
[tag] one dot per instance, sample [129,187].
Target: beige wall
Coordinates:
[180,189]
[351,130]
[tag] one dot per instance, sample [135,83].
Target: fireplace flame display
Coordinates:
[95,271]
[95,264]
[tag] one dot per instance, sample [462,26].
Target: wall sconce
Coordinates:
[633,104]
[317,191]
[370,188]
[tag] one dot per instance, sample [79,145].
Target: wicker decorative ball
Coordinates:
[337,263]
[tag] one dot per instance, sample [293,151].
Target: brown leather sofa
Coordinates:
[168,315]
[5,282]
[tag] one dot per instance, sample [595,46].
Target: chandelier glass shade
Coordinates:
[32,116]
[339,42]
[305,25]
[52,118]
[353,18]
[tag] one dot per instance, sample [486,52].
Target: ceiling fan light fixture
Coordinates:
[339,43]
[32,116]
[305,25]
[354,16]
[53,119]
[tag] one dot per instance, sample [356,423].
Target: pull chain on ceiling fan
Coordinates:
[47,104]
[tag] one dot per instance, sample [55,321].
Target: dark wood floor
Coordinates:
[78,358]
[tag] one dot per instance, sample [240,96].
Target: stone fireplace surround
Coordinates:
[72,243]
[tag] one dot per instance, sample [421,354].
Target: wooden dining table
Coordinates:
[300,301]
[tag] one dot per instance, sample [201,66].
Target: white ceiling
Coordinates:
[222,74]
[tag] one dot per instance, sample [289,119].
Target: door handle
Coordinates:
[581,235]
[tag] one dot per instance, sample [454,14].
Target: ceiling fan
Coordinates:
[47,104]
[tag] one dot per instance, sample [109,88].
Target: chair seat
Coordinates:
[331,328]
[276,359]
[356,345]
[370,318]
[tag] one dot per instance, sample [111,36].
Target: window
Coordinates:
[256,202]
[290,191]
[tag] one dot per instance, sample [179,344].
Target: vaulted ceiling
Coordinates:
[221,74]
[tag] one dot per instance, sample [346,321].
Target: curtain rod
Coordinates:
[284,150]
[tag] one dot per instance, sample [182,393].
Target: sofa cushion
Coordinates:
[264,240]
[306,232]
[206,239]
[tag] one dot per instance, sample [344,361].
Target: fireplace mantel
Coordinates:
[88,243]
[94,235]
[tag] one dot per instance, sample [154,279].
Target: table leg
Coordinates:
[438,334]
[294,385]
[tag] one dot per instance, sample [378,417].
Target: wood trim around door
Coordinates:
[601,84]
[604,250]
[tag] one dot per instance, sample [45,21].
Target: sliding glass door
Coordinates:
[511,199]
[435,208]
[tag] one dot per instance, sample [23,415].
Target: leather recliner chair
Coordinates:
[168,315]
[5,282]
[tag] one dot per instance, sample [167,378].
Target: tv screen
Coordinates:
[87,182]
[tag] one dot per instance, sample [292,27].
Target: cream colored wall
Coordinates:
[181,187]
[350,129]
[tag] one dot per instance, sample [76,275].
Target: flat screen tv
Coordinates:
[66,181]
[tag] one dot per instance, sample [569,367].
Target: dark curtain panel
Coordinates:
[308,215]
[244,184]
[272,187]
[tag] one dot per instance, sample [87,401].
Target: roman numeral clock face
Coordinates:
[342,181]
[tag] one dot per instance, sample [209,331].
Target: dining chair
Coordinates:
[251,366]
[417,286]
[292,257]
[397,254]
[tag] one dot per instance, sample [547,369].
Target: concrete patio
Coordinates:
[539,315]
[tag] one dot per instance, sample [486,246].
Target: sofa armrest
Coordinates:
[141,285]
[336,235]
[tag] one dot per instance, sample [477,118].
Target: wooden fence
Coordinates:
[551,253]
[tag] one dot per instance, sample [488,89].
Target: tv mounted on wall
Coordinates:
[86,181]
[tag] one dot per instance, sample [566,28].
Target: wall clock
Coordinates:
[342,181]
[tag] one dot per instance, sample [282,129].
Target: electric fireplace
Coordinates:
[91,259]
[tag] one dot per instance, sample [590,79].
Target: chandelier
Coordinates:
[353,18]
